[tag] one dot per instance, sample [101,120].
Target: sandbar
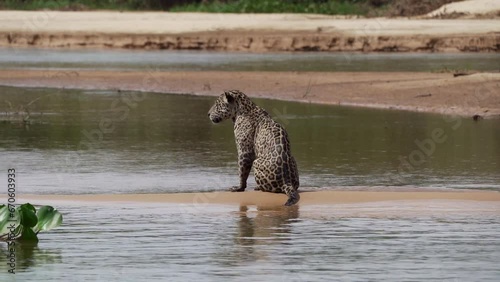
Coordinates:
[442,93]
[271,199]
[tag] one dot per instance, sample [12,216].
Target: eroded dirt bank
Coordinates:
[244,32]
[252,41]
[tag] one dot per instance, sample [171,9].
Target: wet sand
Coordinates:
[244,32]
[270,199]
[467,96]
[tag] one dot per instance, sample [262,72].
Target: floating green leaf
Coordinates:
[27,222]
[4,218]
[28,235]
[28,215]
[18,231]
[7,219]
[29,207]
[48,218]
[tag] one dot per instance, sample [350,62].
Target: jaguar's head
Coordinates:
[224,108]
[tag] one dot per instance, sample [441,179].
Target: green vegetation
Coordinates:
[79,5]
[331,7]
[24,222]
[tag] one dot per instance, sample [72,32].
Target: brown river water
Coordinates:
[77,142]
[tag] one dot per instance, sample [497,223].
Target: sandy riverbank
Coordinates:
[270,199]
[426,92]
[244,32]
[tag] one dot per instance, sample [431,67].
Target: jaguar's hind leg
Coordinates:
[293,195]
[260,176]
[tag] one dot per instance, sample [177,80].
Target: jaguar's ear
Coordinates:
[229,98]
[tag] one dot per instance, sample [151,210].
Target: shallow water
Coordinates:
[79,142]
[406,241]
[227,61]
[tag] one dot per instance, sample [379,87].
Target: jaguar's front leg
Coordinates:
[245,162]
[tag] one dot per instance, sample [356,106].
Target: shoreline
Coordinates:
[441,93]
[270,199]
[244,32]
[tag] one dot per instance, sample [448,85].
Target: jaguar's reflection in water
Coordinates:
[265,225]
[258,228]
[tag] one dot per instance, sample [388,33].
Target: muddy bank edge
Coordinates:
[245,32]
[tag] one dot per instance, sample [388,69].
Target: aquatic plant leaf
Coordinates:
[18,231]
[28,235]
[28,216]
[29,207]
[48,218]
[6,220]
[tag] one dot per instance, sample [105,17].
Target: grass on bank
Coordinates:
[276,6]
[71,5]
[344,7]
[330,7]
